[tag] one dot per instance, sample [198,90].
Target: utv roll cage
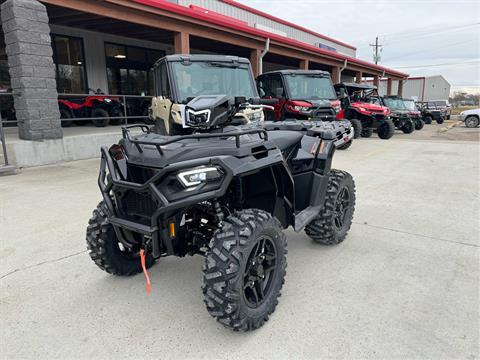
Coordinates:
[351,90]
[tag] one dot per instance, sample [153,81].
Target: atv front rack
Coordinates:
[262,133]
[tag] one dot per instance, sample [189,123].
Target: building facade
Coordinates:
[420,88]
[57,47]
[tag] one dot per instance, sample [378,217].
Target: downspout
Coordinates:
[262,54]
[341,69]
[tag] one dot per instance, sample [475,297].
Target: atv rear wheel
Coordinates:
[100,113]
[105,249]
[408,127]
[345,146]
[386,130]
[419,124]
[357,127]
[331,225]
[64,116]
[367,132]
[245,269]
[428,119]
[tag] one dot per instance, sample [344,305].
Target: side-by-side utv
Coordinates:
[224,192]
[364,115]
[180,78]
[399,113]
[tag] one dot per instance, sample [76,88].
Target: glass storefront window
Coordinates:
[128,69]
[69,59]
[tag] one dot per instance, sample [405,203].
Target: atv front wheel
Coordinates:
[419,124]
[440,120]
[428,119]
[105,249]
[357,127]
[367,132]
[118,113]
[100,113]
[408,127]
[245,269]
[331,225]
[386,130]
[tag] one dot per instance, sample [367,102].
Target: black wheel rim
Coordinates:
[260,272]
[342,207]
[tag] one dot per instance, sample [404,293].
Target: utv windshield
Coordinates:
[410,105]
[395,104]
[308,87]
[213,78]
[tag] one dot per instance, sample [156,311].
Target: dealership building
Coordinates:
[53,48]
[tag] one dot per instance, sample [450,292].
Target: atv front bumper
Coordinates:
[142,208]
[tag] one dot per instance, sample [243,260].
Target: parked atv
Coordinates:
[430,112]
[180,78]
[398,113]
[301,95]
[414,113]
[224,192]
[98,106]
[364,116]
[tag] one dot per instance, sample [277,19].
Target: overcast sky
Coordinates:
[414,33]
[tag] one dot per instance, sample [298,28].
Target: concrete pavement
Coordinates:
[405,283]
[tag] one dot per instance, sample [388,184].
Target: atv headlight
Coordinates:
[197,118]
[199,175]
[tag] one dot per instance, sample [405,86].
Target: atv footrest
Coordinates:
[305,217]
[132,226]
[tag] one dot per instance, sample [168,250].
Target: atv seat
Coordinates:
[285,139]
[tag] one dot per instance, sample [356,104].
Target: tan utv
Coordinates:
[180,78]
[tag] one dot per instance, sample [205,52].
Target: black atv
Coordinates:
[225,192]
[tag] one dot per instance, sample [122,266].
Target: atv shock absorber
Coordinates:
[219,212]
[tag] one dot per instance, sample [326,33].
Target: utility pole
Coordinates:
[377,47]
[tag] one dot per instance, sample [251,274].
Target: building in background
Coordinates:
[55,48]
[425,88]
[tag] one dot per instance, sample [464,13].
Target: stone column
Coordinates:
[358,77]
[389,86]
[400,87]
[181,42]
[255,61]
[335,72]
[31,67]
[303,65]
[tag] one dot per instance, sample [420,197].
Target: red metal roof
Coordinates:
[284,22]
[225,21]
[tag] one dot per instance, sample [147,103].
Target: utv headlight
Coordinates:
[197,118]
[199,175]
[301,108]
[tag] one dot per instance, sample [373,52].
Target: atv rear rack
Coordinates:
[262,133]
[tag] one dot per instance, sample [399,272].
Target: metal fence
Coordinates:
[132,108]
[5,162]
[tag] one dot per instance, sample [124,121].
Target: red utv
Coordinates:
[301,95]
[364,116]
[95,106]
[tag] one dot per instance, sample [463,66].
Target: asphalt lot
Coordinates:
[405,283]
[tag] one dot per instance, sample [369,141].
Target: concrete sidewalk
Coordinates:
[405,283]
